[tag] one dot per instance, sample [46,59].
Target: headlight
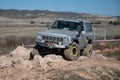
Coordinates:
[66,40]
[39,37]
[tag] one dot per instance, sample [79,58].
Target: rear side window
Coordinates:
[88,27]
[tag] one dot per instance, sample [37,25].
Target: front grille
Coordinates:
[51,38]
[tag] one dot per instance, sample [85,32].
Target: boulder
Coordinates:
[53,58]
[5,61]
[83,57]
[38,62]
[98,56]
[21,52]
[24,65]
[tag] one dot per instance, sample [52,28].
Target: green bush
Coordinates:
[114,22]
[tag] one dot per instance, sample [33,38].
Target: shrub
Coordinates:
[92,22]
[42,22]
[14,41]
[114,22]
[97,22]
[32,22]
[8,43]
[110,22]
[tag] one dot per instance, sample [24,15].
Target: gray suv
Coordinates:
[69,37]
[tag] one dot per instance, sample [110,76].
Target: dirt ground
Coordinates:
[18,66]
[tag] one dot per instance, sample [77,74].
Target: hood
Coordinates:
[60,32]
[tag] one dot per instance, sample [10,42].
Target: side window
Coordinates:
[82,26]
[74,26]
[88,27]
[55,25]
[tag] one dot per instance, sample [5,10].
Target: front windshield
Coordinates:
[65,25]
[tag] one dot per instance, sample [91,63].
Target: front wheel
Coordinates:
[72,53]
[38,50]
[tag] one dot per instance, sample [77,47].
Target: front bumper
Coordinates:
[43,44]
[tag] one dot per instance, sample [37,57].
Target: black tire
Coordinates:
[35,52]
[38,50]
[72,53]
[81,52]
[89,50]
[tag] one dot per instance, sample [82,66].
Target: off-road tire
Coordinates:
[88,50]
[72,53]
[35,52]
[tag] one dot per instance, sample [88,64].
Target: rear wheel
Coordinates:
[72,53]
[88,50]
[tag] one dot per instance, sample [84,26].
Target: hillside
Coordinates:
[28,14]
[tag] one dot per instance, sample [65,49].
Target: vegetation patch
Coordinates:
[8,43]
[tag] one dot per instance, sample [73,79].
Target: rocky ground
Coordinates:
[18,66]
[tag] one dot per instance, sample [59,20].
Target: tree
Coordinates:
[114,22]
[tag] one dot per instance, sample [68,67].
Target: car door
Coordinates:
[82,36]
[89,31]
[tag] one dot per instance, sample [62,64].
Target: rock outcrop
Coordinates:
[18,66]
[20,52]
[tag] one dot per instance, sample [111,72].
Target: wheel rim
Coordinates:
[74,51]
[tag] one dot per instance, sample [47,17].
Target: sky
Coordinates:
[100,7]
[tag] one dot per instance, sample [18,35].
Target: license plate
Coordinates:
[51,44]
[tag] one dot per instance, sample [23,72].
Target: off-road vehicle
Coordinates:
[69,36]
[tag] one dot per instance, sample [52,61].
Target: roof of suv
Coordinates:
[73,20]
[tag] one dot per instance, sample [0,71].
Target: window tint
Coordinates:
[73,26]
[88,27]
[55,25]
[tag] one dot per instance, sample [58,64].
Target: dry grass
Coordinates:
[14,32]
[112,32]
[10,37]
[7,31]
[8,43]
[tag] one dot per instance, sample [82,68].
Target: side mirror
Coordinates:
[83,33]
